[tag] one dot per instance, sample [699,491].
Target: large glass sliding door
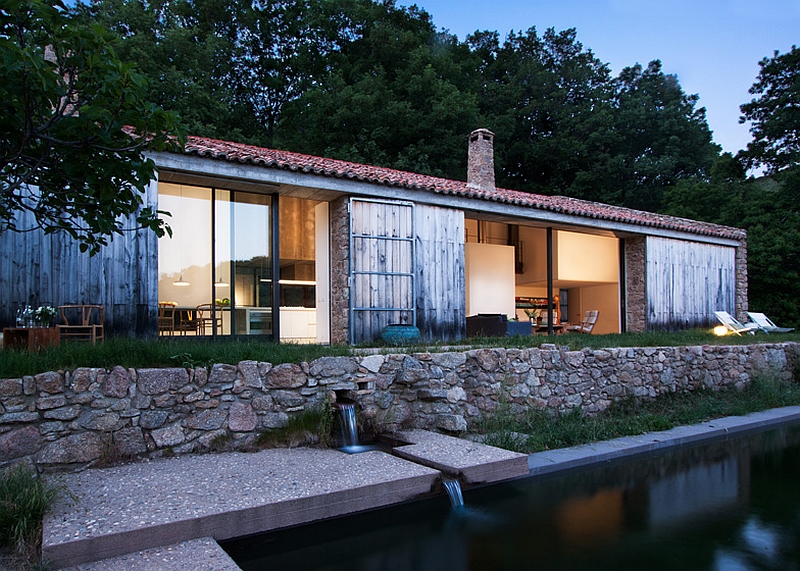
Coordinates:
[218,274]
[215,271]
[250,262]
[185,262]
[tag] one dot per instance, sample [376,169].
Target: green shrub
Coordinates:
[535,430]
[313,426]
[24,500]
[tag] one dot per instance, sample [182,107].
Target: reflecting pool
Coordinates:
[732,505]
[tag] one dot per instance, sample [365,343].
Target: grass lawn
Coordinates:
[187,352]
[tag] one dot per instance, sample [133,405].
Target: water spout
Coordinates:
[347,417]
[453,489]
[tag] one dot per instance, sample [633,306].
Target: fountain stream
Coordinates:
[347,416]
[453,489]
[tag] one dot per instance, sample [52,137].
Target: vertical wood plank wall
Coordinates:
[36,268]
[441,286]
[687,282]
[382,267]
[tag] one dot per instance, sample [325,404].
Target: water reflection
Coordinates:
[732,505]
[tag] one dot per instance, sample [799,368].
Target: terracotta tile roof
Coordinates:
[285,160]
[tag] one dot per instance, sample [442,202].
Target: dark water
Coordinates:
[730,506]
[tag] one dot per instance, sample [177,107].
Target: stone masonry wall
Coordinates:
[741,281]
[340,270]
[635,294]
[66,420]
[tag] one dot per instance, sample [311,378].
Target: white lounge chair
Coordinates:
[733,325]
[766,325]
[586,325]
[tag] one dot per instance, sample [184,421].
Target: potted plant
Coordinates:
[45,314]
[533,315]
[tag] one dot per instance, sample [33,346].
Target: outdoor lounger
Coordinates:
[766,325]
[733,325]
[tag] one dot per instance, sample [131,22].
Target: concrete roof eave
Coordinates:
[198,168]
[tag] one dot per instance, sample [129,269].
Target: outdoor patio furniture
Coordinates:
[587,324]
[734,325]
[766,325]
[81,323]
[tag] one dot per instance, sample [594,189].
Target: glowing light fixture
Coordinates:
[720,330]
[221,283]
[181,282]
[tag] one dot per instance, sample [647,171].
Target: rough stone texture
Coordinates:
[242,418]
[129,442]
[10,387]
[635,291]
[340,269]
[18,443]
[285,376]
[117,383]
[159,381]
[480,159]
[74,449]
[741,281]
[160,411]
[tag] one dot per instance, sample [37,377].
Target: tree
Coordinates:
[228,67]
[397,95]
[775,114]
[721,199]
[664,137]
[774,227]
[549,101]
[74,129]
[184,50]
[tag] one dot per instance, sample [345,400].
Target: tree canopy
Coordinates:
[377,83]
[773,220]
[75,128]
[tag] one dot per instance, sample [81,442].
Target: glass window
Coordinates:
[216,271]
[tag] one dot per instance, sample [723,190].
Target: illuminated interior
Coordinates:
[586,273]
[220,256]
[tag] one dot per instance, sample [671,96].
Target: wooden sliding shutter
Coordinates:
[381,267]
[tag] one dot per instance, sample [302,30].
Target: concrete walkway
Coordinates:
[111,512]
[166,515]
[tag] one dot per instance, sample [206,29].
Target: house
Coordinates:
[301,248]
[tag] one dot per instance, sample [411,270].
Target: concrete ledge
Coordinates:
[152,504]
[202,554]
[470,462]
[597,453]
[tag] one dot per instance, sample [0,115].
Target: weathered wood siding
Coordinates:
[382,267]
[36,268]
[441,301]
[687,282]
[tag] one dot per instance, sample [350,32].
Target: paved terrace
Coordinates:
[141,506]
[172,511]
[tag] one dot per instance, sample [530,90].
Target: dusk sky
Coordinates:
[713,46]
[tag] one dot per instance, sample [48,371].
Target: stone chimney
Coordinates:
[480,159]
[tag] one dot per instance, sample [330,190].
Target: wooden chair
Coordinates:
[206,318]
[81,323]
[166,317]
[586,325]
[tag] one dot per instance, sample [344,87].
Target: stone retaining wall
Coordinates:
[67,420]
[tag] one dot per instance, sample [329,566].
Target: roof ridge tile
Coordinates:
[337,168]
